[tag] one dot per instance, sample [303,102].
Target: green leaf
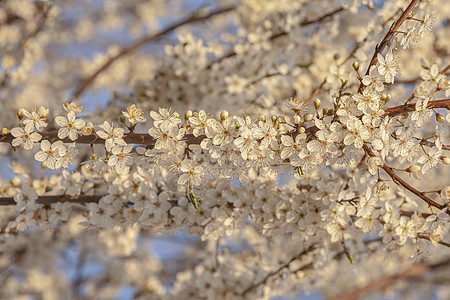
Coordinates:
[300,171]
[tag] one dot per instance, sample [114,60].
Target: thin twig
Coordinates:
[37,28]
[194,17]
[421,236]
[131,138]
[350,55]
[397,110]
[414,271]
[281,34]
[47,200]
[145,139]
[276,271]
[379,48]
[403,183]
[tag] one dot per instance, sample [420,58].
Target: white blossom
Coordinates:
[70,126]
[35,119]
[192,172]
[24,137]
[134,114]
[422,113]
[165,119]
[430,159]
[120,158]
[112,135]
[50,153]
[388,66]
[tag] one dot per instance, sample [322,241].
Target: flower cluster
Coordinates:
[348,175]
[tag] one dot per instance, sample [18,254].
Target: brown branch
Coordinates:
[37,28]
[417,79]
[350,55]
[409,81]
[131,138]
[410,214]
[194,17]
[403,183]
[80,199]
[421,236]
[431,144]
[413,272]
[274,272]
[282,33]
[47,200]
[145,139]
[322,18]
[379,48]
[397,110]
[445,69]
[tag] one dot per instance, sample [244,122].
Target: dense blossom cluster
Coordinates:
[341,176]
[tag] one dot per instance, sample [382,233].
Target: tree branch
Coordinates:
[194,17]
[414,271]
[351,54]
[403,183]
[145,139]
[379,48]
[397,110]
[131,138]
[274,272]
[47,200]
[282,33]
[421,236]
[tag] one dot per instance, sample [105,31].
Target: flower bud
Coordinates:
[262,118]
[308,117]
[317,103]
[8,61]
[440,118]
[42,112]
[274,118]
[5,131]
[383,97]
[445,193]
[445,160]
[15,181]
[88,129]
[21,113]
[188,114]
[224,114]
[267,25]
[355,65]
[415,168]
[301,129]
[281,120]
[176,115]
[296,119]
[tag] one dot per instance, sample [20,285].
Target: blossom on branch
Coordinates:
[24,137]
[112,135]
[70,126]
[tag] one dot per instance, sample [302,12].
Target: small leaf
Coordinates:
[192,198]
